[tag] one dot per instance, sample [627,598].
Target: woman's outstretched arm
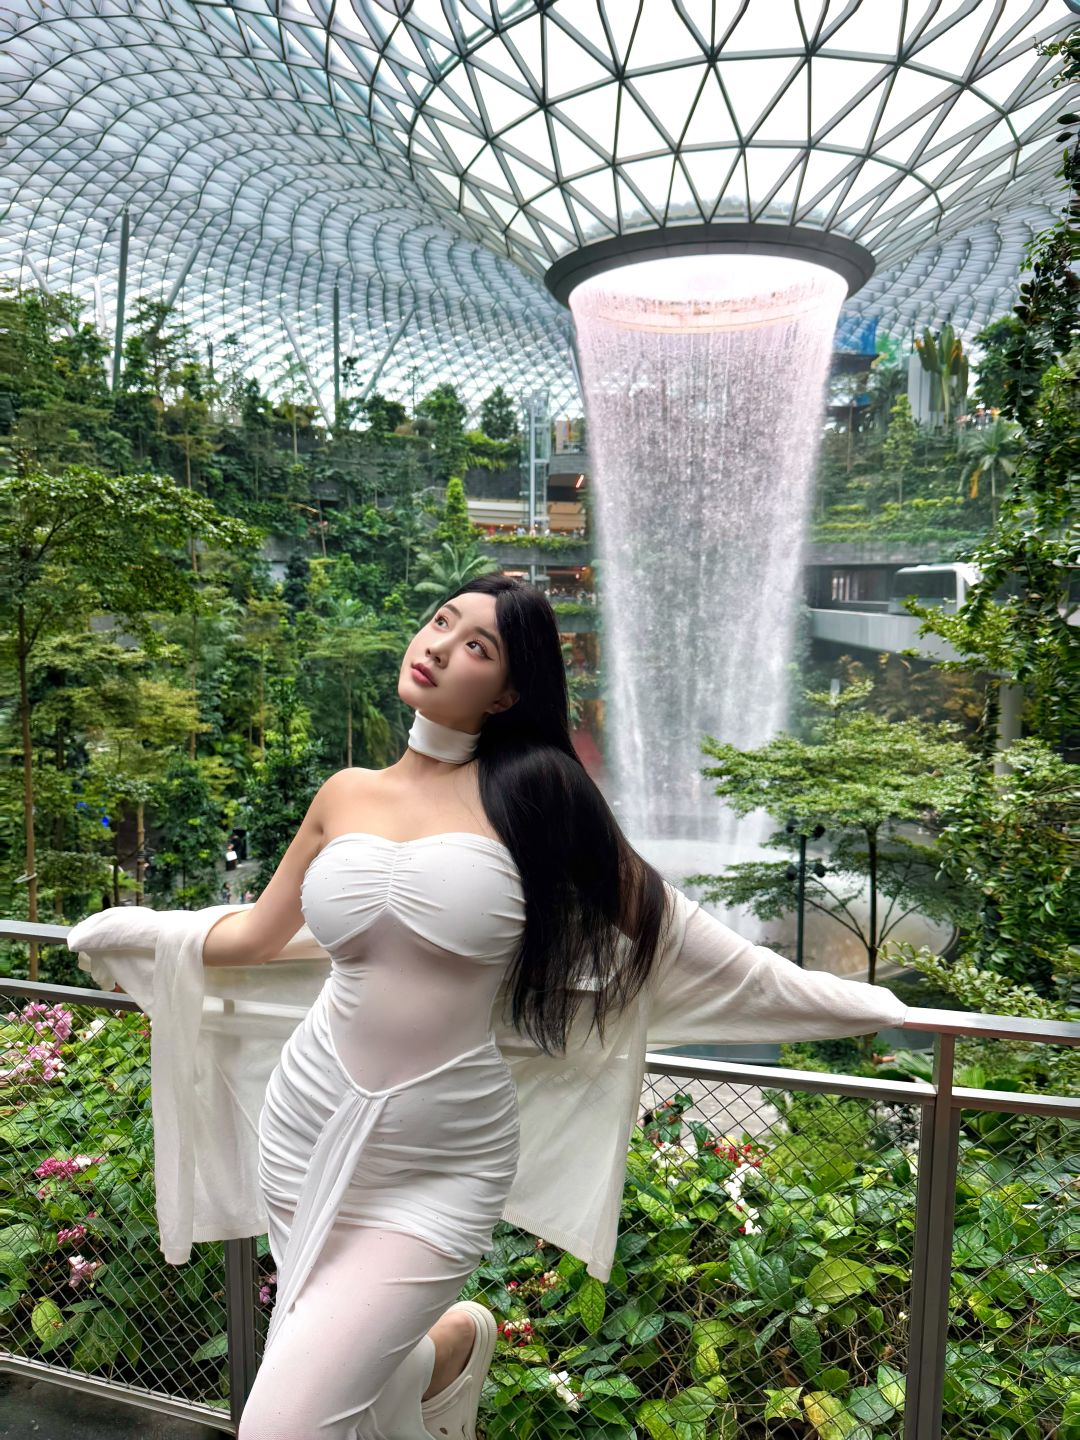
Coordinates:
[257,934]
[722,987]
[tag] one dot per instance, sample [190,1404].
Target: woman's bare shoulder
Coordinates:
[353,781]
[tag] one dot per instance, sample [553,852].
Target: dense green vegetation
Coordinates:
[204,598]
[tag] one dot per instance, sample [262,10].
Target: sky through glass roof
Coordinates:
[434,158]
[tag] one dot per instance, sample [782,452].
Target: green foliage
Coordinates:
[756,1280]
[898,451]
[446,571]
[552,543]
[183,869]
[1047,314]
[498,415]
[283,785]
[129,1316]
[862,777]
[1015,838]
[443,414]
[1026,636]
[996,379]
[989,453]
[453,523]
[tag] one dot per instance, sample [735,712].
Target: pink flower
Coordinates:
[39,1062]
[81,1270]
[77,1232]
[56,1169]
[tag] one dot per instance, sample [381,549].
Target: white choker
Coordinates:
[442,742]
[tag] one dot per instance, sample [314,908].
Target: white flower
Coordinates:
[560,1381]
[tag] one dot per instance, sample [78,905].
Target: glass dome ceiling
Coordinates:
[432,159]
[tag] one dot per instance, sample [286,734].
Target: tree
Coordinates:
[1013,837]
[444,415]
[52,373]
[284,785]
[132,754]
[989,452]
[294,399]
[898,452]
[862,778]
[190,430]
[498,415]
[81,542]
[1048,309]
[996,381]
[382,416]
[350,635]
[454,522]
[185,867]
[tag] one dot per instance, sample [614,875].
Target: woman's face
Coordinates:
[461,648]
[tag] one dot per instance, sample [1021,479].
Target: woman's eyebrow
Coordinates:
[478,628]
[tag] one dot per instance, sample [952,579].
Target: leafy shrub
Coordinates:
[760,1286]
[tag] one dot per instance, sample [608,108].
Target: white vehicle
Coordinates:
[945,585]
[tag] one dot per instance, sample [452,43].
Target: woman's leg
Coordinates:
[353,1357]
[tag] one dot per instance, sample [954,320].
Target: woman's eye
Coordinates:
[470,642]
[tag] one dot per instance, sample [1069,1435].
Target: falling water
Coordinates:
[704,384]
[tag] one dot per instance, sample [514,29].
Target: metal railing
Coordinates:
[847,1174]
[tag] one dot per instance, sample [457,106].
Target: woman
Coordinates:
[417,880]
[484,855]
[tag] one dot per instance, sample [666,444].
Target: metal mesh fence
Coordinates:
[1012,1352]
[83,1285]
[761,1287]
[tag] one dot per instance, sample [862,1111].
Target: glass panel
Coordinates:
[660,38]
[750,84]
[788,119]
[569,65]
[503,105]
[637,134]
[594,114]
[573,154]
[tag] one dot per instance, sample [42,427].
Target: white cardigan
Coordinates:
[217,1033]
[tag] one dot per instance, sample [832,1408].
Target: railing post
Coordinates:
[931,1270]
[240,1321]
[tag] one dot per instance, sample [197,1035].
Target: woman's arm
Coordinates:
[257,934]
[722,987]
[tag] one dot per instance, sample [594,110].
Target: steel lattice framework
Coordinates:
[432,158]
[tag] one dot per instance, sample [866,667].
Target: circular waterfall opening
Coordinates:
[704,293]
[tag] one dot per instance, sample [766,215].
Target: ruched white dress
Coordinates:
[388,1139]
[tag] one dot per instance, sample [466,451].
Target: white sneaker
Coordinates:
[450,1414]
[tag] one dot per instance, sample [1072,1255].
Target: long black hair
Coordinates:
[585,886]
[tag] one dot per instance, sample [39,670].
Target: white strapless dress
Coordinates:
[391,1105]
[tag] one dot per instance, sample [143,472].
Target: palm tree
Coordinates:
[989,452]
[448,570]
